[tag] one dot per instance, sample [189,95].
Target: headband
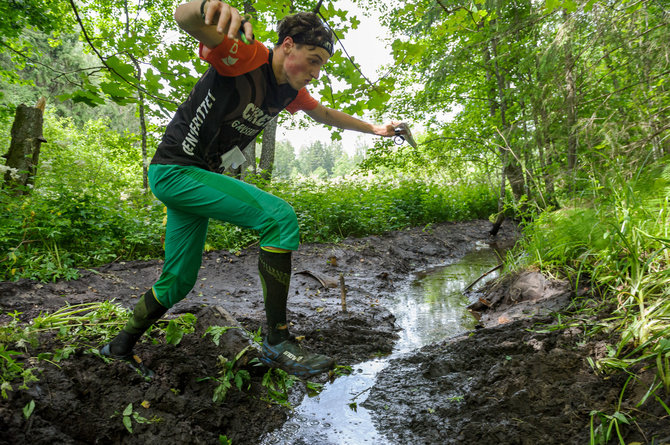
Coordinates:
[328,46]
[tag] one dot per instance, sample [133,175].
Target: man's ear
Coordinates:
[288,43]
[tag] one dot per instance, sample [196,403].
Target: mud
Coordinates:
[504,383]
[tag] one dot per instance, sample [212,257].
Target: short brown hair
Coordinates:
[306,28]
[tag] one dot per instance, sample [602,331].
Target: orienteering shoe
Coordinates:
[133,361]
[290,357]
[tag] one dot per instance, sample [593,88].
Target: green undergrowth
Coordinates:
[85,327]
[53,233]
[615,242]
[88,208]
[357,207]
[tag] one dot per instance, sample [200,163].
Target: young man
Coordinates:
[245,87]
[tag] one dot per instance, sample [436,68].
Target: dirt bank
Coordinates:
[506,383]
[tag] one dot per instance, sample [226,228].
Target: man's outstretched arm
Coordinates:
[339,119]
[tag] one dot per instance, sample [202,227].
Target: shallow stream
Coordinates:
[430,308]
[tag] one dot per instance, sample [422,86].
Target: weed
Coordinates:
[129,415]
[278,382]
[313,388]
[340,370]
[11,369]
[28,409]
[178,327]
[217,331]
[227,373]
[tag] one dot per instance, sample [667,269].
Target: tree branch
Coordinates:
[104,62]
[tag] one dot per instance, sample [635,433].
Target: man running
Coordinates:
[246,86]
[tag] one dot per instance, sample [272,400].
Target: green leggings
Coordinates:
[193,196]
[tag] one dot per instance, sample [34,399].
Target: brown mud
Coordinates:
[510,382]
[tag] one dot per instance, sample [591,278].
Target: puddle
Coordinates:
[430,308]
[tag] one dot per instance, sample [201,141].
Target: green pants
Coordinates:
[193,196]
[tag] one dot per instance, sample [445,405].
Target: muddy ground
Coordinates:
[509,382]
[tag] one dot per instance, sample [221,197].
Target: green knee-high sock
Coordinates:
[147,311]
[275,272]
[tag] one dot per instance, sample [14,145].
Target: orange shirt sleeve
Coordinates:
[234,57]
[303,101]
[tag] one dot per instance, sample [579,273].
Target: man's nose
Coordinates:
[315,73]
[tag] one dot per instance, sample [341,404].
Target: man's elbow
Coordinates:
[183,17]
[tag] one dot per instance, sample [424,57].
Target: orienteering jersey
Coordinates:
[230,104]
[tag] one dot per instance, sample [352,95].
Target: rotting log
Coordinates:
[24,149]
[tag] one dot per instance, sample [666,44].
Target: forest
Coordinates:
[549,115]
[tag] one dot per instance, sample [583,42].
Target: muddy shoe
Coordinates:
[133,360]
[290,357]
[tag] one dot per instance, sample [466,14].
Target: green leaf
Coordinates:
[115,89]
[129,410]
[121,68]
[28,409]
[127,422]
[174,333]
[86,97]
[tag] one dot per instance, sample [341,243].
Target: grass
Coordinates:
[56,231]
[615,242]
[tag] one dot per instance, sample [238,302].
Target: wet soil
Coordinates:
[511,381]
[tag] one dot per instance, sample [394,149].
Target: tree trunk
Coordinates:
[500,217]
[143,127]
[249,153]
[140,106]
[24,149]
[570,100]
[510,165]
[266,164]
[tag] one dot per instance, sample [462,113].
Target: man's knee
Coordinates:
[282,228]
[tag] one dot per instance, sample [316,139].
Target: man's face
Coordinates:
[303,63]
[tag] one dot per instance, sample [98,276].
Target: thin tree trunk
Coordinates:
[570,100]
[267,161]
[140,106]
[500,217]
[511,167]
[143,129]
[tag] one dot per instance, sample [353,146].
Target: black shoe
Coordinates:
[290,357]
[133,360]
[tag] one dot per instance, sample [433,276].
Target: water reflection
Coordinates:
[433,306]
[429,309]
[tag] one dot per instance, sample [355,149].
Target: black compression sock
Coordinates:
[275,273]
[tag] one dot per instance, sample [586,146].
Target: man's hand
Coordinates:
[226,18]
[210,20]
[386,130]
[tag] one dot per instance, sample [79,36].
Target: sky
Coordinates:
[368,48]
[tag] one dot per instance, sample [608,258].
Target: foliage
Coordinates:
[228,374]
[11,369]
[530,87]
[83,325]
[43,67]
[615,239]
[278,382]
[129,415]
[361,206]
[318,161]
[178,327]
[87,207]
